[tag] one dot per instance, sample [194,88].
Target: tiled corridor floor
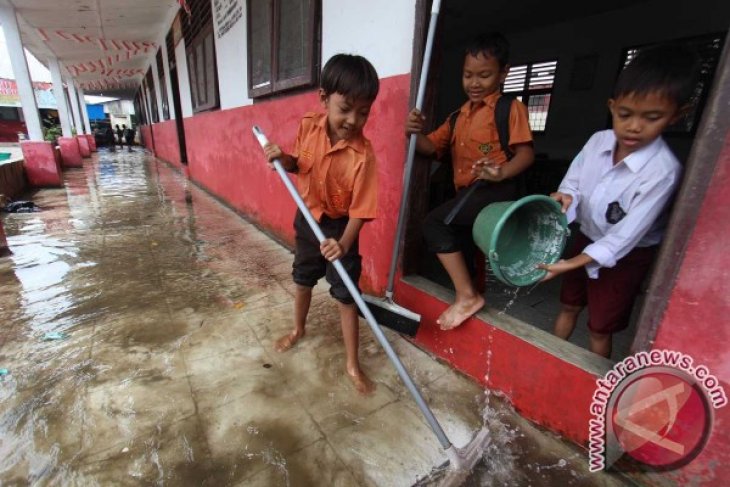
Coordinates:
[167,375]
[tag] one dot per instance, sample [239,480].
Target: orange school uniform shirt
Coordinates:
[339,180]
[475,136]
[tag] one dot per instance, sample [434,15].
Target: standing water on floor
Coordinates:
[137,322]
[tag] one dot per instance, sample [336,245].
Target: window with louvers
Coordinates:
[200,51]
[163,86]
[532,84]
[283,45]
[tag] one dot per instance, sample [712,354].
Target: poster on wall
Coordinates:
[227,14]
[9,96]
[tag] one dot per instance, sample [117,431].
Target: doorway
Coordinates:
[176,98]
[576,53]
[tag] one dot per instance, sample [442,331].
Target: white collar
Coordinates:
[636,160]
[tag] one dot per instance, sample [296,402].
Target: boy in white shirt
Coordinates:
[618,188]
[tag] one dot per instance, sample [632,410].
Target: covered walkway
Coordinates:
[138,316]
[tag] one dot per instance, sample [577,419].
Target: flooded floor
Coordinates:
[137,318]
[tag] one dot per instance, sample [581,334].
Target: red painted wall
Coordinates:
[84,147]
[224,157]
[70,152]
[539,385]
[146,133]
[167,146]
[42,163]
[698,316]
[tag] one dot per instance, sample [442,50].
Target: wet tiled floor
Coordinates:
[166,375]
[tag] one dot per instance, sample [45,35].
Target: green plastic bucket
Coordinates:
[516,236]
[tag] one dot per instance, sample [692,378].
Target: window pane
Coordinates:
[542,75]
[294,41]
[515,80]
[537,107]
[260,48]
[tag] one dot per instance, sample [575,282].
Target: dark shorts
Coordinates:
[611,297]
[309,264]
[456,237]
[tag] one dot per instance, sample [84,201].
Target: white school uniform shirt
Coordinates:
[642,185]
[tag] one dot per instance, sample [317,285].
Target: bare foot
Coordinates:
[287,341]
[362,383]
[459,312]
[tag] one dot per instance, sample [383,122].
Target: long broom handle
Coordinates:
[427,413]
[403,212]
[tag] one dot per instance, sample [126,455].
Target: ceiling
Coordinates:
[105,46]
[463,19]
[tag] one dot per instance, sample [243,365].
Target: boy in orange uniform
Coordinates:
[476,154]
[337,178]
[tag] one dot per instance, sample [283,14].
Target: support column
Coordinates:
[22,76]
[70,151]
[60,94]
[81,139]
[85,115]
[157,90]
[84,111]
[74,102]
[168,81]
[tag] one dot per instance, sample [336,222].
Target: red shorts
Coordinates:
[611,296]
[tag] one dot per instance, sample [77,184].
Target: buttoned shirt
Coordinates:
[620,206]
[475,136]
[339,180]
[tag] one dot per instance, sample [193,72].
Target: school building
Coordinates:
[203,72]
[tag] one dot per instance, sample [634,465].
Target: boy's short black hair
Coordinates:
[669,69]
[351,76]
[490,44]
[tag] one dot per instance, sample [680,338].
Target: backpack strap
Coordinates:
[452,124]
[501,119]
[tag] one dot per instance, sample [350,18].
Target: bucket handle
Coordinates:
[494,255]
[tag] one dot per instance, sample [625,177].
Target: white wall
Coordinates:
[380,30]
[186,102]
[231,52]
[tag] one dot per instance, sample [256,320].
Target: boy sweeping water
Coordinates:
[337,179]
